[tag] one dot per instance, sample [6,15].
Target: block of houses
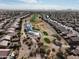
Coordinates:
[4,53]
[4,44]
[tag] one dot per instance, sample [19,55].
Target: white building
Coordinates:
[34,34]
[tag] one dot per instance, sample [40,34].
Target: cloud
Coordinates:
[35,5]
[39,4]
[32,7]
[29,1]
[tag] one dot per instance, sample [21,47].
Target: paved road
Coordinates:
[24,49]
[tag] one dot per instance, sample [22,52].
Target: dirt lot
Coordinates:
[43,26]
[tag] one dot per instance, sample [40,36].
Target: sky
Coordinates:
[39,4]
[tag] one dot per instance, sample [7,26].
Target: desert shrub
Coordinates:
[57,36]
[45,33]
[36,29]
[46,40]
[60,55]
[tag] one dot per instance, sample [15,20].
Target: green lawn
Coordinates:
[33,18]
